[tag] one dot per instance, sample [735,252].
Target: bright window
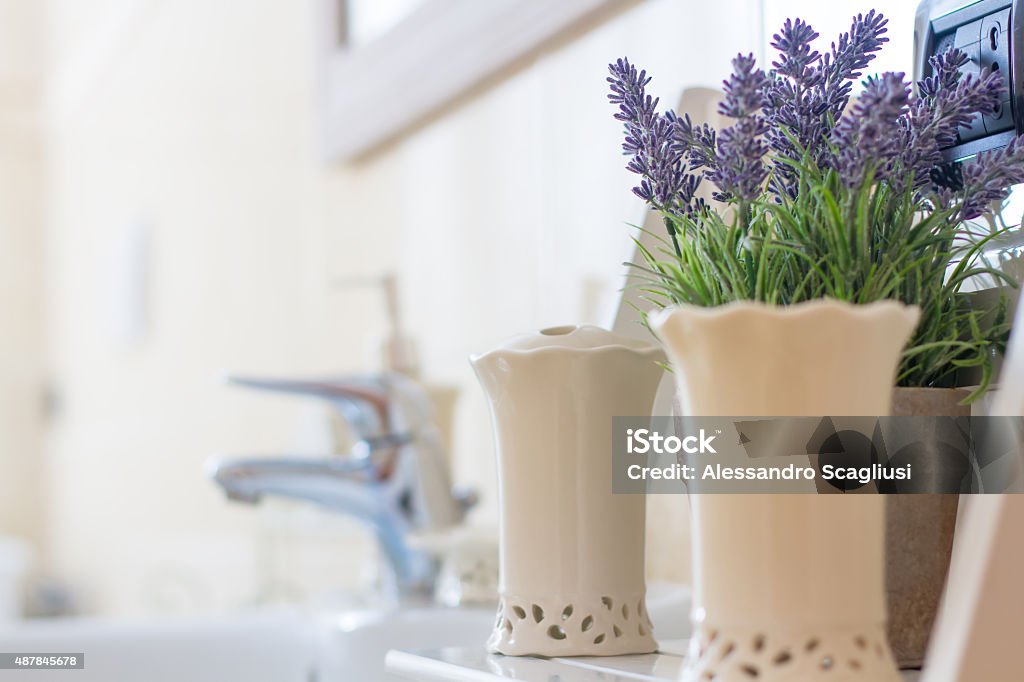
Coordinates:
[371,19]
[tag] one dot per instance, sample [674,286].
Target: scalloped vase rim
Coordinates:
[556,337]
[794,310]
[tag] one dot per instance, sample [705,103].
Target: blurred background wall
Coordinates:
[169,149]
[21,277]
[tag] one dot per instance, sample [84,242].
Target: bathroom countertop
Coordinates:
[475,665]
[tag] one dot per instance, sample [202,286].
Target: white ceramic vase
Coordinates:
[572,553]
[787,587]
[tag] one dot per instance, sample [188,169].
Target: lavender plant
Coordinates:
[665,182]
[820,197]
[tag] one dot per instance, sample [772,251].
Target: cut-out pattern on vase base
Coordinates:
[742,654]
[604,625]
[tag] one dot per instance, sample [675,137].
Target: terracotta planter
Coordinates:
[918,538]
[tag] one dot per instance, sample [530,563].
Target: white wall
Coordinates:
[196,119]
[21,211]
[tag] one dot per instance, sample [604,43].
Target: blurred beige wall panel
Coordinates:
[21,279]
[198,117]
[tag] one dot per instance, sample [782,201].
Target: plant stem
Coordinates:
[670,226]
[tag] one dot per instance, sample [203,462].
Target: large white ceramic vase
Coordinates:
[572,553]
[787,587]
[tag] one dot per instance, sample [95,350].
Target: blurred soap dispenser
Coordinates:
[398,353]
[467,555]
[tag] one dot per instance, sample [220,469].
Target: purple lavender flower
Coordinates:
[867,139]
[945,73]
[744,89]
[796,57]
[739,170]
[946,101]
[700,142]
[797,113]
[847,59]
[986,180]
[807,92]
[628,88]
[665,181]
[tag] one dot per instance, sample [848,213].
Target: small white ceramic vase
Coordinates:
[787,587]
[572,552]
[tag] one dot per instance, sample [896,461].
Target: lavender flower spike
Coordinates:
[740,171]
[867,139]
[796,57]
[808,92]
[987,179]
[628,91]
[666,184]
[946,102]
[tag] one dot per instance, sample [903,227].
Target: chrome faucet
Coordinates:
[396,478]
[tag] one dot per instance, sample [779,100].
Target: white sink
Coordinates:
[355,647]
[280,647]
[289,646]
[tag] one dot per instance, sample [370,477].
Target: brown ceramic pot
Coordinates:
[919,538]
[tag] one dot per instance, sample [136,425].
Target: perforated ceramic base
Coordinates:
[577,625]
[835,654]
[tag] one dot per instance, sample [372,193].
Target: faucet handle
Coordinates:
[393,419]
[362,400]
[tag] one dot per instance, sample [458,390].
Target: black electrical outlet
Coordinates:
[991,32]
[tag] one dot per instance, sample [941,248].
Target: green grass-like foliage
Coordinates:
[861,244]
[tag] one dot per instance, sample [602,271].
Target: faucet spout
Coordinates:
[343,485]
[395,480]
[315,480]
